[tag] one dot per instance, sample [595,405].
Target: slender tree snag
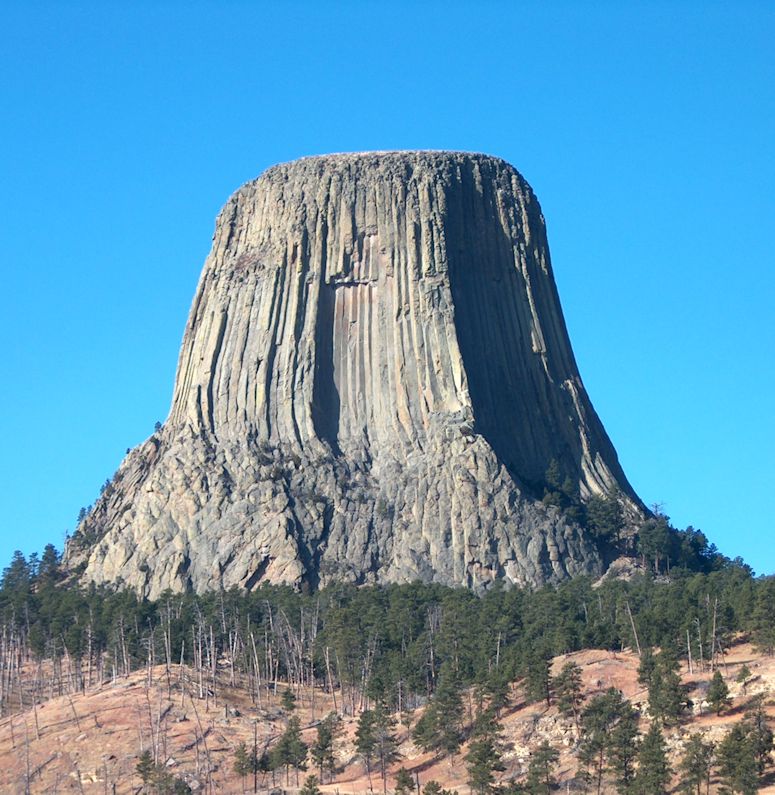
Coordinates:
[632,624]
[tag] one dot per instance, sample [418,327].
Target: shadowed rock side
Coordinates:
[374,378]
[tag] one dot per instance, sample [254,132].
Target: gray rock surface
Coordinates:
[374,378]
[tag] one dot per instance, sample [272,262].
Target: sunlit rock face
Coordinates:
[374,378]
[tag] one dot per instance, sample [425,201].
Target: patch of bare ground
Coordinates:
[90,742]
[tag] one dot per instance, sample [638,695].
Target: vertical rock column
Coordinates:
[374,377]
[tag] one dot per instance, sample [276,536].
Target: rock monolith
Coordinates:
[374,379]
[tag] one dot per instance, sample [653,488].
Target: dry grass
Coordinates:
[90,743]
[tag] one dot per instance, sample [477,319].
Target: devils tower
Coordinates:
[375,377]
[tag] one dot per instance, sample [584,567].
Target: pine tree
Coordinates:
[310,786]
[159,778]
[484,753]
[604,743]
[322,750]
[646,666]
[540,772]
[17,580]
[568,690]
[759,733]
[49,570]
[655,541]
[243,762]
[440,726]
[538,679]
[695,764]
[366,739]
[736,759]
[605,518]
[743,675]
[653,768]
[497,689]
[718,693]
[290,750]
[404,782]
[434,788]
[448,710]
[763,617]
[385,745]
[424,729]
[623,747]
[288,700]
[482,760]
[145,767]
[666,692]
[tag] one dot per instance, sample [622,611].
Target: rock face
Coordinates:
[374,378]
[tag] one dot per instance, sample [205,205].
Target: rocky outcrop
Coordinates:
[374,378]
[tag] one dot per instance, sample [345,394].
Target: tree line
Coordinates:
[384,642]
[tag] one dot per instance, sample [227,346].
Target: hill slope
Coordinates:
[90,742]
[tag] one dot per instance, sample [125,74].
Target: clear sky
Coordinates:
[646,129]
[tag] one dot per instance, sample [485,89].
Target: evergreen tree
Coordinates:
[440,726]
[483,759]
[288,700]
[322,750]
[553,494]
[538,680]
[404,782]
[496,688]
[604,744]
[448,710]
[763,617]
[385,745]
[736,760]
[666,692]
[17,582]
[540,772]
[743,675]
[145,767]
[623,747]
[759,733]
[605,518]
[718,693]
[243,762]
[654,771]
[424,729]
[366,739]
[49,569]
[159,778]
[290,750]
[568,690]
[646,666]
[656,542]
[434,788]
[695,764]
[310,786]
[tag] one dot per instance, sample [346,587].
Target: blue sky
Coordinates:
[646,130]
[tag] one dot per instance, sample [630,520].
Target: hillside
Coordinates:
[90,741]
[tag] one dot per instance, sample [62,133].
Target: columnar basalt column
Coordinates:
[374,378]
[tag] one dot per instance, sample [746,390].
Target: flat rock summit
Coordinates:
[374,379]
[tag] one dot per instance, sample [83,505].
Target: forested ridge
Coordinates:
[395,648]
